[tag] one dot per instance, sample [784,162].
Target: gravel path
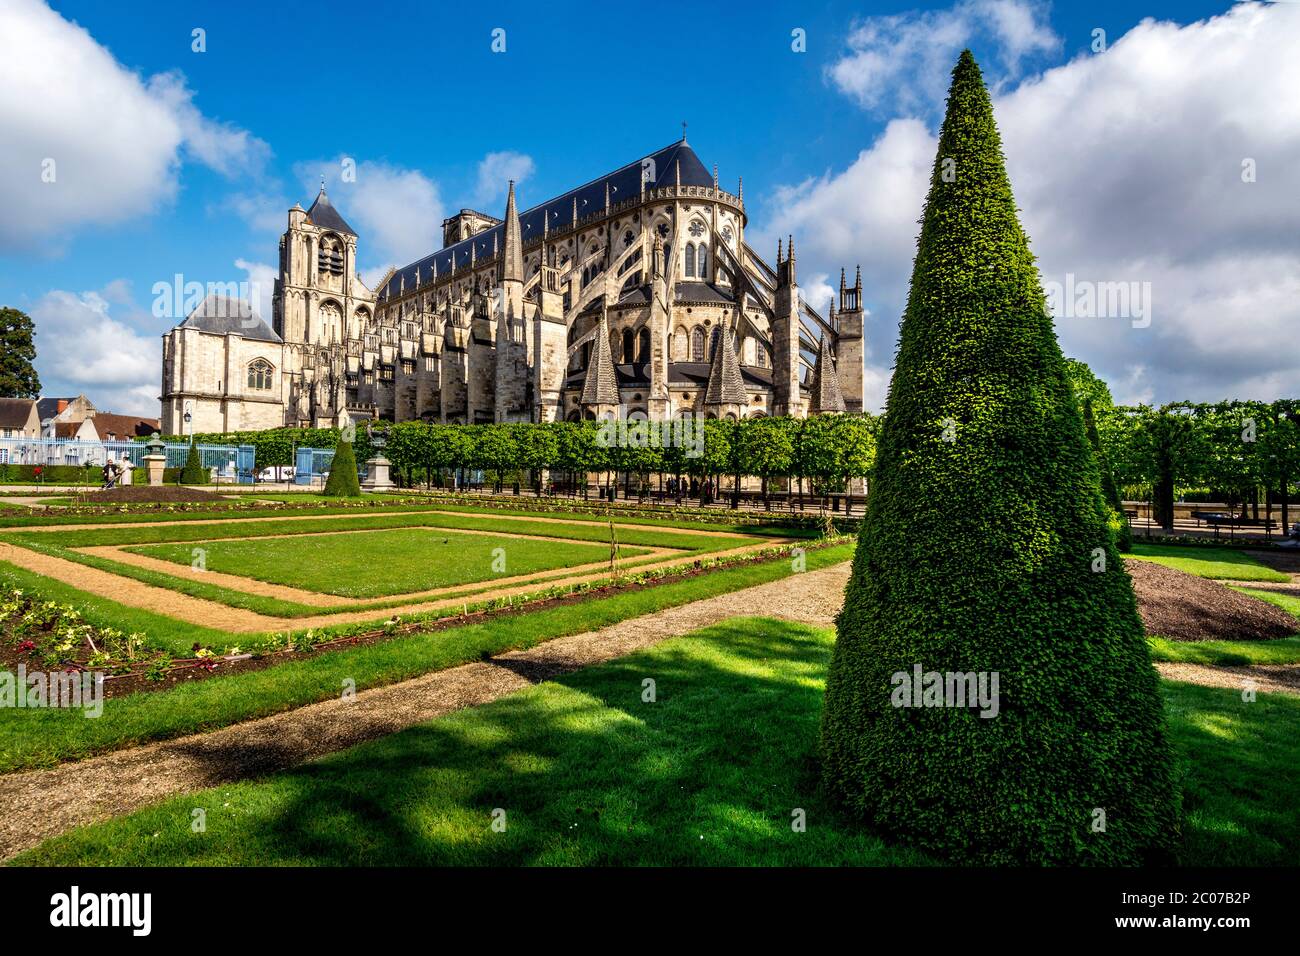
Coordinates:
[1277,678]
[39,804]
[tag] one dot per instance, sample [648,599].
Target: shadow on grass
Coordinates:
[1240,775]
[588,770]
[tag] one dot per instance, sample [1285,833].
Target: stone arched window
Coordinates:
[697,345]
[260,374]
[714,338]
[629,345]
[702,261]
[680,343]
[643,345]
[690,260]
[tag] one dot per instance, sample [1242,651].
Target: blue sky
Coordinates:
[416,96]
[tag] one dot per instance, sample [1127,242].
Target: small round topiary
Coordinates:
[985,554]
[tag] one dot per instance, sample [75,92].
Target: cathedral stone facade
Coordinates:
[633,294]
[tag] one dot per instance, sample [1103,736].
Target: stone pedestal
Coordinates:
[154,465]
[377,475]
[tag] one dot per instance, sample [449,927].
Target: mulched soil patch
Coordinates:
[1184,607]
[148,493]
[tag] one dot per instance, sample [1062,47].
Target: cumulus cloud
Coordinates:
[81,347]
[904,60]
[495,170]
[86,140]
[260,281]
[1127,167]
[397,212]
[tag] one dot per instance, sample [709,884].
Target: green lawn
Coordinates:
[1226,653]
[40,738]
[1217,563]
[382,563]
[61,544]
[711,773]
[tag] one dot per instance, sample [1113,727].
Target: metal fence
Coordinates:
[230,462]
[311,465]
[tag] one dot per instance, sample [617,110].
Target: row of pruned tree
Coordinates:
[827,452]
[1246,452]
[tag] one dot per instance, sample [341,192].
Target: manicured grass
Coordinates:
[312,524]
[1287,602]
[1241,766]
[32,738]
[1217,563]
[586,773]
[61,544]
[382,563]
[1226,653]
[711,773]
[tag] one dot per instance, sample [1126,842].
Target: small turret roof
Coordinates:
[323,214]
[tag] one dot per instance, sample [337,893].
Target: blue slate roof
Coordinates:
[222,315]
[322,213]
[624,183]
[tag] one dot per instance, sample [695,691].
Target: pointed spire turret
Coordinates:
[827,396]
[725,386]
[600,387]
[512,259]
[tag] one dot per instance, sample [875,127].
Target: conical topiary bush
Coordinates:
[194,473]
[985,550]
[343,481]
[1109,491]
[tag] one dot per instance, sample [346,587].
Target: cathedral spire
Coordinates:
[600,387]
[725,386]
[512,260]
[827,396]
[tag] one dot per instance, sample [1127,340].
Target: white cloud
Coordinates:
[904,60]
[113,141]
[1127,166]
[82,348]
[265,213]
[396,212]
[260,279]
[495,170]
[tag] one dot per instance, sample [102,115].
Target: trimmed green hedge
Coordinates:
[50,474]
[985,550]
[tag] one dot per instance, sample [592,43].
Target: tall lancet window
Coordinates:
[690,260]
[697,345]
[703,264]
